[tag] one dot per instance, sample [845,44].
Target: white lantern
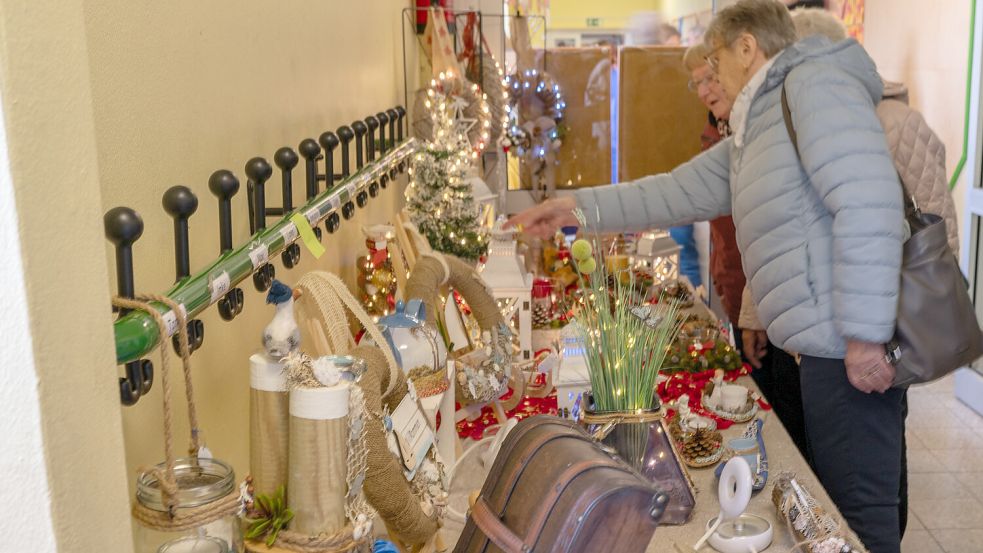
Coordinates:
[657,253]
[511,286]
[486,200]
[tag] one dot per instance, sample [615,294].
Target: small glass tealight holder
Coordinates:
[200,481]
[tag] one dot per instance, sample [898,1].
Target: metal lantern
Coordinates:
[511,286]
[656,253]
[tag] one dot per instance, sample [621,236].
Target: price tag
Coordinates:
[171,319]
[289,233]
[219,286]
[259,255]
[312,217]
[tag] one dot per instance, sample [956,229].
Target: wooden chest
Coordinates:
[552,489]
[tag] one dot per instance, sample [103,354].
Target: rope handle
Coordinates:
[166,480]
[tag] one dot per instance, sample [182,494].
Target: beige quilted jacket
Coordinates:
[919,156]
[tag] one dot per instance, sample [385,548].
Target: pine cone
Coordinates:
[701,443]
[541,316]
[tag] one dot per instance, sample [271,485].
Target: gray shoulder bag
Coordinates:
[937,330]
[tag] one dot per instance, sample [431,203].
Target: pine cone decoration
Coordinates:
[701,443]
[541,316]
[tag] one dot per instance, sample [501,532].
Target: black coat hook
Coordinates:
[286,159]
[372,123]
[181,203]
[224,185]
[374,189]
[401,115]
[258,171]
[309,150]
[383,121]
[393,115]
[346,135]
[332,222]
[384,181]
[329,141]
[359,128]
[123,227]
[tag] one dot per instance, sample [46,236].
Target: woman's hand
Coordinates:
[544,219]
[755,344]
[867,367]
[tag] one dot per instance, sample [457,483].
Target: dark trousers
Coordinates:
[857,444]
[778,380]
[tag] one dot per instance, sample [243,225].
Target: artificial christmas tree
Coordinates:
[439,196]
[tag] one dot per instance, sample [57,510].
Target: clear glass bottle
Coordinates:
[200,481]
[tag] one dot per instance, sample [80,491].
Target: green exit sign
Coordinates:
[593,21]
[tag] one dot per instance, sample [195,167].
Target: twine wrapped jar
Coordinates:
[200,484]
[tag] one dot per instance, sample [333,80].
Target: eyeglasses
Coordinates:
[712,60]
[694,86]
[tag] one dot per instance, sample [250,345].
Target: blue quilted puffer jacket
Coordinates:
[820,239]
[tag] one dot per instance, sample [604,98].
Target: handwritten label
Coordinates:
[313,216]
[307,235]
[289,233]
[170,322]
[171,319]
[413,435]
[219,286]
[259,255]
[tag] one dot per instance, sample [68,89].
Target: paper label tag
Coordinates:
[413,435]
[204,452]
[219,285]
[307,235]
[335,202]
[170,319]
[289,233]
[351,189]
[312,217]
[259,255]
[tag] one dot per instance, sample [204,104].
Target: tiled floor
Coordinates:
[945,466]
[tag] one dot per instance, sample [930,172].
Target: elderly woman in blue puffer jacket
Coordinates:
[820,232]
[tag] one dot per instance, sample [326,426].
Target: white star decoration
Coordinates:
[462,124]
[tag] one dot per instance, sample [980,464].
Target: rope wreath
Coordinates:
[487,381]
[174,519]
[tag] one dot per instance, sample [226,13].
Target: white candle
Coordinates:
[195,545]
[734,397]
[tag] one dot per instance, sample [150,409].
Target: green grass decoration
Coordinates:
[273,516]
[624,353]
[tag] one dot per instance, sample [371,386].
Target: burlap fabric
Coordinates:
[268,428]
[385,486]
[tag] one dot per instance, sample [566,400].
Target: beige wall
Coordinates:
[44,75]
[182,88]
[925,45]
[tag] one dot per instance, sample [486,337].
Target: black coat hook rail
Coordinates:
[136,332]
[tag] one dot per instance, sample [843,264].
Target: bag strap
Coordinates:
[910,207]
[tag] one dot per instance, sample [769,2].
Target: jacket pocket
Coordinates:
[810,274]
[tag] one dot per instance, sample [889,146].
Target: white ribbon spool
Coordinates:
[735,488]
[734,494]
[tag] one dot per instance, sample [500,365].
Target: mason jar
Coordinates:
[200,481]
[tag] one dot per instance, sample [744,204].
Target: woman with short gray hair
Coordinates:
[820,229]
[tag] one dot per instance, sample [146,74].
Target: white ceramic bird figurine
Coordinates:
[282,335]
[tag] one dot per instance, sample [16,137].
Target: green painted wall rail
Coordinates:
[136,332]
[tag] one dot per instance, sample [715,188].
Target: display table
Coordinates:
[782,456]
